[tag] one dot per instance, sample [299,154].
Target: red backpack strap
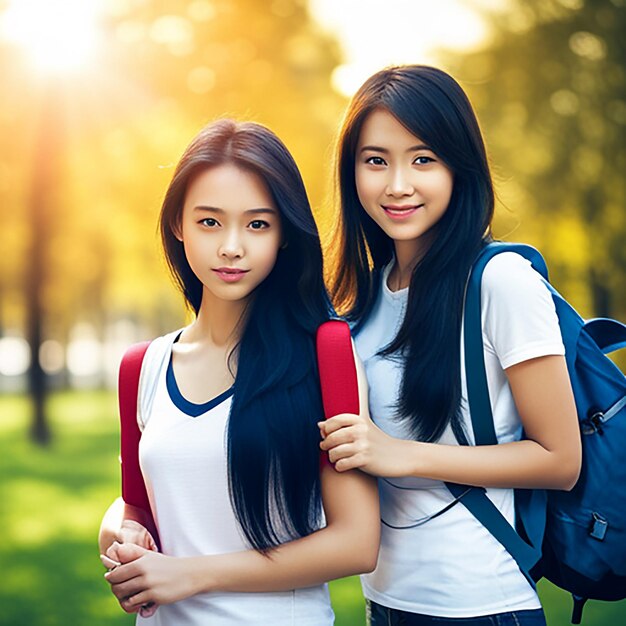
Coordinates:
[337,369]
[133,487]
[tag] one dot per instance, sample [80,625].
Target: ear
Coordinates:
[177,231]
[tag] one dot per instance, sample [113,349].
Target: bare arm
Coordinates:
[125,523]
[347,545]
[549,458]
[110,524]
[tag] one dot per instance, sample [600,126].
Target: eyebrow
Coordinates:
[419,146]
[256,211]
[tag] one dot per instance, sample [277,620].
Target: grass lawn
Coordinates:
[51,502]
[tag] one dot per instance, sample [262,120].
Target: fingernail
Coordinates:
[147,610]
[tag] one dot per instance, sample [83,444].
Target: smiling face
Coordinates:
[231,231]
[401,183]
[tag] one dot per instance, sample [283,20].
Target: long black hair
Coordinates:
[433,107]
[273,453]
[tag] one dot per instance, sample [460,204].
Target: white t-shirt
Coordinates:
[184,464]
[451,566]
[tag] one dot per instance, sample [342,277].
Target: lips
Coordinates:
[398,212]
[230,274]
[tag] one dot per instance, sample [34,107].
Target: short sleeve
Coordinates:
[518,315]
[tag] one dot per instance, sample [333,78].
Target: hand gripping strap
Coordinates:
[337,369]
[133,487]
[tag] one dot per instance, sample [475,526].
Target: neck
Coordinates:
[218,322]
[408,255]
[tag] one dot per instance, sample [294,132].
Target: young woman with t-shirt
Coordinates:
[416,207]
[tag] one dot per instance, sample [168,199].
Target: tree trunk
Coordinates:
[41,207]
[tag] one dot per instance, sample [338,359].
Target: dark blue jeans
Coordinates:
[378,615]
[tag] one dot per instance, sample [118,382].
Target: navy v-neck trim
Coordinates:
[190,408]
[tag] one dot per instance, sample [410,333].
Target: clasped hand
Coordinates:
[145,577]
[128,567]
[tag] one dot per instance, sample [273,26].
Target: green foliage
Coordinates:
[165,70]
[551,94]
[52,501]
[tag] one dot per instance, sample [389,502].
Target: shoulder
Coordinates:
[157,352]
[519,318]
[509,272]
[161,345]
[510,282]
[156,358]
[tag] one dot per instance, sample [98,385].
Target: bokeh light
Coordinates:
[14,356]
[383,39]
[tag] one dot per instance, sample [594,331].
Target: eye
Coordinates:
[423,160]
[375,160]
[259,224]
[209,222]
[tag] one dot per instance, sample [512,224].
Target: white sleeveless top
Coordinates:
[183,460]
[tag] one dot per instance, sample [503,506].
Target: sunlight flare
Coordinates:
[58,37]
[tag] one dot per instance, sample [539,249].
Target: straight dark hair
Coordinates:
[432,106]
[273,453]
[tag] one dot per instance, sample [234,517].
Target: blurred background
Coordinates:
[100,98]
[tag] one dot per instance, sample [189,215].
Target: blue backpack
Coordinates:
[576,539]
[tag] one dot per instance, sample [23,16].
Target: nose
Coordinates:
[399,183]
[231,246]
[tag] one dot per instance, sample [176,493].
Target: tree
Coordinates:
[166,68]
[550,90]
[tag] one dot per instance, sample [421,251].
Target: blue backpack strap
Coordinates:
[610,335]
[488,514]
[477,390]
[476,500]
